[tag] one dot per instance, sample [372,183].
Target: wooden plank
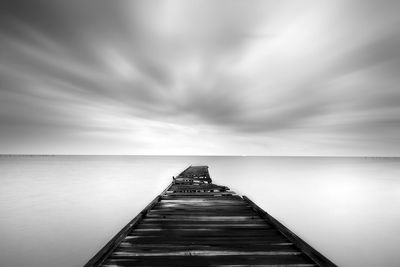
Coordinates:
[200,252]
[248,226]
[200,194]
[233,246]
[167,221]
[201,209]
[257,246]
[201,204]
[273,239]
[191,260]
[207,233]
[202,213]
[195,198]
[202,218]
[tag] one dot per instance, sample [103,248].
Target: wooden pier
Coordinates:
[197,223]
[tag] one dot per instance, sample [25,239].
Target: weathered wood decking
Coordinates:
[197,223]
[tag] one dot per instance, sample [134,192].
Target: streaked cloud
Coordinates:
[200,77]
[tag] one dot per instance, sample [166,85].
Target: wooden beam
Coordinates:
[103,254]
[320,259]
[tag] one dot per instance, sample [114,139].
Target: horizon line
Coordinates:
[188,155]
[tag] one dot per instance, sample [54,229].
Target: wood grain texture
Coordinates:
[197,223]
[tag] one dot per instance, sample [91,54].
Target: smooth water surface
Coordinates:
[60,210]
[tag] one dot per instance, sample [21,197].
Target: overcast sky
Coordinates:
[200,77]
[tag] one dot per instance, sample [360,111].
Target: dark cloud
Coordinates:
[245,76]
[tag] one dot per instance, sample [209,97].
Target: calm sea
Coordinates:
[60,210]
